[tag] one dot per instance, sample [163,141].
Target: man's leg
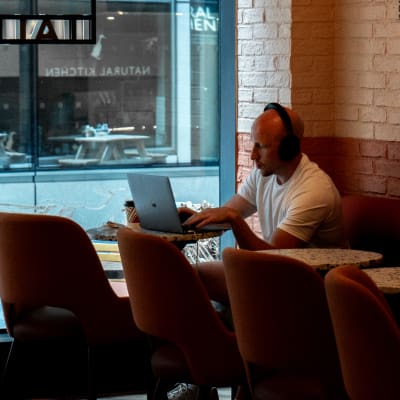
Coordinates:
[212,275]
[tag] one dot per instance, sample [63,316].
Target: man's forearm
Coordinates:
[245,237]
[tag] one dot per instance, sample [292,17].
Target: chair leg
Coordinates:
[3,379]
[160,390]
[207,393]
[91,381]
[214,394]
[241,392]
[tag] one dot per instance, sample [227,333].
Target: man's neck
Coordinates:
[288,170]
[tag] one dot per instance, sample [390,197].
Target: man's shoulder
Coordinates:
[310,170]
[314,184]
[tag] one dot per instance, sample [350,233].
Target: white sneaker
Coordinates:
[183,391]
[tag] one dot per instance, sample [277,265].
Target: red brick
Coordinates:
[346,147]
[318,145]
[387,168]
[372,184]
[354,165]
[393,150]
[346,183]
[394,187]
[243,158]
[373,148]
[325,163]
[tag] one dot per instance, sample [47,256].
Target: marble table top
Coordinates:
[177,237]
[386,278]
[325,259]
[109,232]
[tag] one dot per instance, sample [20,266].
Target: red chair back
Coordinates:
[48,260]
[281,316]
[169,302]
[367,335]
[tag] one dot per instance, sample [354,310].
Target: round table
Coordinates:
[178,239]
[326,259]
[109,232]
[386,278]
[189,236]
[202,244]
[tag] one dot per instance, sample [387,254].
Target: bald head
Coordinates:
[272,116]
[276,145]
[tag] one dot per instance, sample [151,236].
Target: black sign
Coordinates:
[48,29]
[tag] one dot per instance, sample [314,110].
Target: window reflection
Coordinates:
[148,87]
[112,88]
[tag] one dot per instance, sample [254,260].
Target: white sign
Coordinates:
[201,20]
[110,71]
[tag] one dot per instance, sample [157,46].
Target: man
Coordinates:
[297,203]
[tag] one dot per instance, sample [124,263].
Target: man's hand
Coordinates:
[212,216]
[185,213]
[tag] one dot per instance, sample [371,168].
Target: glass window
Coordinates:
[109,103]
[145,96]
[145,93]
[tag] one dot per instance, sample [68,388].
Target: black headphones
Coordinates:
[289,147]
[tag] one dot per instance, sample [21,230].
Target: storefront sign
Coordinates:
[110,71]
[48,29]
[202,20]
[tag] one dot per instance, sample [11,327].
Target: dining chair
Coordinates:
[373,223]
[282,324]
[367,336]
[170,304]
[54,292]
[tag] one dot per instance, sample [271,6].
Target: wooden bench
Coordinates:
[78,162]
[153,157]
[110,258]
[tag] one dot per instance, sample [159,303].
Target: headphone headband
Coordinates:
[289,147]
[283,115]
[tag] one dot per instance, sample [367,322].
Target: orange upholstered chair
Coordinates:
[54,290]
[283,328]
[368,338]
[373,223]
[169,303]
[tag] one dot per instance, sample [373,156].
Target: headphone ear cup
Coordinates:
[289,147]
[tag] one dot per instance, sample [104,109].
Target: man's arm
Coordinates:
[235,208]
[234,212]
[246,239]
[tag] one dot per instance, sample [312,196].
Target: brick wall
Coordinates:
[337,63]
[263,57]
[365,166]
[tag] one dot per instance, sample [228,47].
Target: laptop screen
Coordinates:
[155,202]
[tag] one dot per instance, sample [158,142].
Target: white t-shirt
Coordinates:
[307,206]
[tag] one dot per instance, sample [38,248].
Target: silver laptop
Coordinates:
[156,207]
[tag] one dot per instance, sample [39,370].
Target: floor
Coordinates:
[223,394]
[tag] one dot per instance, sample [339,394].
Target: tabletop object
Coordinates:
[4,159]
[106,232]
[3,137]
[325,259]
